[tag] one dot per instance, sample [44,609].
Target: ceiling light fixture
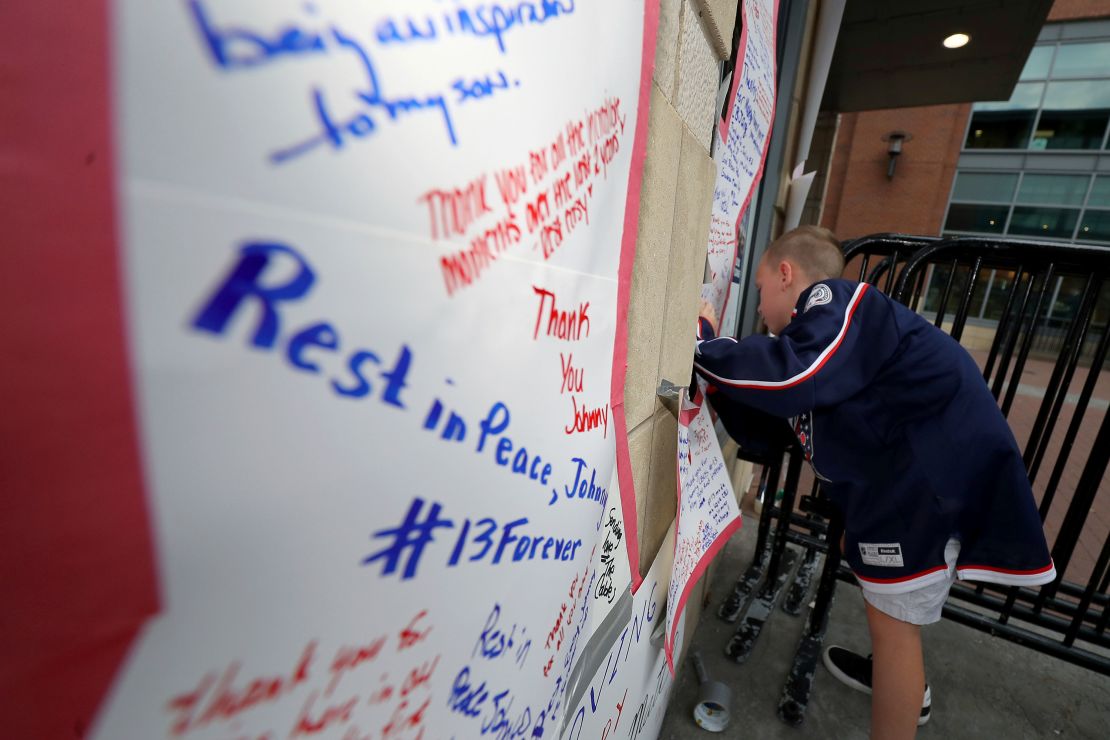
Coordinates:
[956,40]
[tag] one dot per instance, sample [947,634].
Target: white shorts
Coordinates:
[923,605]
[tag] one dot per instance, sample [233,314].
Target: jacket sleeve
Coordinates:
[828,353]
[756,432]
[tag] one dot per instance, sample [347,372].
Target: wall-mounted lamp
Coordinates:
[895,140]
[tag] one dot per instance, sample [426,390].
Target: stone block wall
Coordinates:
[675,202]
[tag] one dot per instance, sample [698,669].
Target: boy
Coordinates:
[907,440]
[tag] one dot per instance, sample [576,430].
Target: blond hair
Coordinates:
[815,249]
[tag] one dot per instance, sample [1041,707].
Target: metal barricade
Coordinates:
[950,281]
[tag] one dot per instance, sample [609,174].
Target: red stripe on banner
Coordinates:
[695,576]
[707,558]
[737,71]
[687,415]
[624,289]
[78,571]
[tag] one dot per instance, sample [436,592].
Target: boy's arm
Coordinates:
[756,432]
[828,353]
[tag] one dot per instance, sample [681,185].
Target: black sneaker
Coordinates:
[854,670]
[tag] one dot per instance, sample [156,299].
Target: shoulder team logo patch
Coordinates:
[819,296]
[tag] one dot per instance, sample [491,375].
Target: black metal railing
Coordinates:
[1068,618]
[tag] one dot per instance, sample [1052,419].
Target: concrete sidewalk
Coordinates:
[983,687]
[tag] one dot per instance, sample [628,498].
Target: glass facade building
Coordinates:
[1037,166]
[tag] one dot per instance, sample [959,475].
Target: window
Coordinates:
[1100,192]
[1006,125]
[985,288]
[978,293]
[1077,95]
[1064,190]
[1070,130]
[1074,116]
[984,186]
[1026,96]
[938,280]
[1000,130]
[1068,295]
[1036,67]
[1060,103]
[1102,310]
[967,217]
[1001,286]
[1056,223]
[1094,226]
[1084,30]
[1081,60]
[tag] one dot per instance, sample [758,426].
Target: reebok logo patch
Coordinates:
[882,554]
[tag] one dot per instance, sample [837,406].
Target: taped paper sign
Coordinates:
[740,144]
[707,510]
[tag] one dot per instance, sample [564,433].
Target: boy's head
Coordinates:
[793,262]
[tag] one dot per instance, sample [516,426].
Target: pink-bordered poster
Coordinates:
[322,307]
[707,510]
[741,141]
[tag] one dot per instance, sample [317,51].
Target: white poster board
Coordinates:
[374,254]
[627,694]
[740,145]
[708,514]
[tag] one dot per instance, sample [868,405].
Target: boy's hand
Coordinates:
[708,313]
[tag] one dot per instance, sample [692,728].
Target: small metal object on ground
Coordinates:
[714,697]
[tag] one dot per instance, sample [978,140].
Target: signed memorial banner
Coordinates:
[363,284]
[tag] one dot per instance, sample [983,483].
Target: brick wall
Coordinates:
[861,199]
[1071,10]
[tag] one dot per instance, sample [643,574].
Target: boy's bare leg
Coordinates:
[898,678]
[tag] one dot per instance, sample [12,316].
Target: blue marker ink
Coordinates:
[496,20]
[234,48]
[582,489]
[495,641]
[481,87]
[408,539]
[244,284]
[481,20]
[254,48]
[363,124]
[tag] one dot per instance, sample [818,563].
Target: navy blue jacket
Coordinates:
[898,423]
